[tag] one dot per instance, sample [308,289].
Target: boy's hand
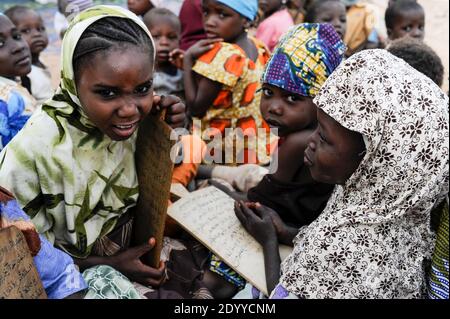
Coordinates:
[176,110]
[176,57]
[131,266]
[200,48]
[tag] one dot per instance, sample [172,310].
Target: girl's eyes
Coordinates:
[293,98]
[142,90]
[106,94]
[267,92]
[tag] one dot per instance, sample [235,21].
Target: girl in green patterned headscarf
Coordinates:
[72,166]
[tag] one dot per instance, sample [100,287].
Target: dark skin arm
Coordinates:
[200,91]
[292,148]
[129,264]
[258,223]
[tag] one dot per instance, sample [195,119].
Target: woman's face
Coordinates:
[286,111]
[115,90]
[15,58]
[221,21]
[334,152]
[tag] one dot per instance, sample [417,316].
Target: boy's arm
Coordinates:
[200,92]
[290,155]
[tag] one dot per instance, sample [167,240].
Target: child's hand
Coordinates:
[201,47]
[176,110]
[257,221]
[176,57]
[131,266]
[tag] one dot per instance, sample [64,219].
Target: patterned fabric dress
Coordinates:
[237,105]
[374,238]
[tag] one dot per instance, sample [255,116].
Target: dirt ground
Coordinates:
[436,35]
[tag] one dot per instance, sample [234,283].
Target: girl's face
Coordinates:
[269,6]
[15,58]
[115,90]
[167,38]
[139,7]
[334,13]
[409,23]
[32,27]
[286,111]
[221,21]
[334,152]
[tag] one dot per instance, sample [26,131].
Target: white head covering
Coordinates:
[374,235]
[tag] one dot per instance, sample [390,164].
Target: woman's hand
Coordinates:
[257,221]
[175,109]
[131,266]
[176,57]
[200,48]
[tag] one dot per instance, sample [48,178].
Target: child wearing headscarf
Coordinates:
[16,103]
[383,137]
[222,81]
[72,167]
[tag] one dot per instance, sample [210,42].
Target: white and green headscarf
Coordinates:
[69,177]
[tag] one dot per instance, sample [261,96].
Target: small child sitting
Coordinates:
[165,28]
[277,20]
[32,27]
[405,18]
[420,56]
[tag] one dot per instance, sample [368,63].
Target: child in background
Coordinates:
[30,24]
[140,7]
[165,28]
[405,18]
[328,11]
[222,81]
[16,103]
[277,20]
[361,27]
[420,56]
[297,10]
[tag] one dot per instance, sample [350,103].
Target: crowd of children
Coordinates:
[357,123]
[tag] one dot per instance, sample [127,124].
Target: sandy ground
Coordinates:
[436,35]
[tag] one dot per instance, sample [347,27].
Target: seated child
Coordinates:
[16,103]
[405,18]
[328,11]
[361,27]
[165,28]
[289,87]
[57,271]
[222,75]
[420,56]
[32,27]
[72,166]
[277,20]
[374,238]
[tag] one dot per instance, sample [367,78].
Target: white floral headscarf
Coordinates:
[373,239]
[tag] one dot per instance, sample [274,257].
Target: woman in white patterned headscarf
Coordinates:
[373,240]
